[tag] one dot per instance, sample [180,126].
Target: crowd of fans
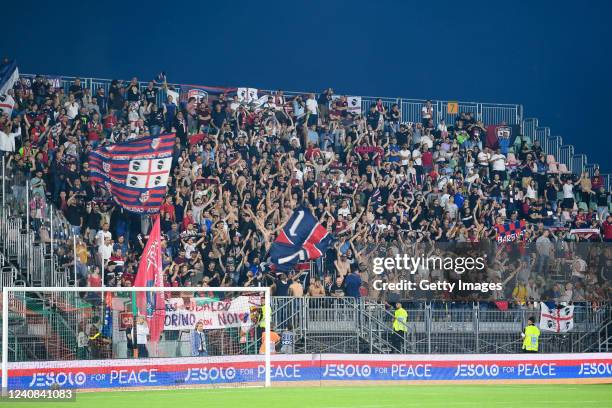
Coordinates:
[239,169]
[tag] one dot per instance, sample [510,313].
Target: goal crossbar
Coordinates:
[5,312]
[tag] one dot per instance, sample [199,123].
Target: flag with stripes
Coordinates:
[376,196]
[135,172]
[512,231]
[302,238]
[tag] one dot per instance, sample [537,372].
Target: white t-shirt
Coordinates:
[7,142]
[142,331]
[426,112]
[483,159]
[189,248]
[452,209]
[405,156]
[499,162]
[427,140]
[568,190]
[102,235]
[531,193]
[416,155]
[105,251]
[72,109]
[311,105]
[444,199]
[298,174]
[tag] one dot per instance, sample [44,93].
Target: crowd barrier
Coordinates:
[313,369]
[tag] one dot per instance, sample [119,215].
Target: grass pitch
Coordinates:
[468,396]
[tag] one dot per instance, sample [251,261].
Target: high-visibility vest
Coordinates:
[262,319]
[401,318]
[530,342]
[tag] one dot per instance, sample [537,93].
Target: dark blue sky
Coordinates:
[551,56]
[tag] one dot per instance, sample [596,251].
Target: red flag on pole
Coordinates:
[151,274]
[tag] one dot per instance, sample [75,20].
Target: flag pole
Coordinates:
[28,208]
[74,250]
[3,188]
[28,241]
[134,327]
[51,219]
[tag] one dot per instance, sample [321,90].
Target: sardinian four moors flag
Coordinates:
[558,320]
[150,274]
[302,238]
[135,172]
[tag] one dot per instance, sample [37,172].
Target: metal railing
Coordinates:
[489,113]
[575,162]
[350,325]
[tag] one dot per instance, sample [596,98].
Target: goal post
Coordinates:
[107,337]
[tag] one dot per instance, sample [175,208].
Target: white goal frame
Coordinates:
[5,312]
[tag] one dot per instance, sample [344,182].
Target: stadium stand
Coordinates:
[383,175]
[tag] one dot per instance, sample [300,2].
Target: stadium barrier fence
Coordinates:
[350,325]
[313,370]
[73,325]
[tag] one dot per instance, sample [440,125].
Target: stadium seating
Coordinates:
[323,155]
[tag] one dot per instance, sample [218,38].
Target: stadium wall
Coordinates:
[315,369]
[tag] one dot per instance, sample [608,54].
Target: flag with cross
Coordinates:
[134,172]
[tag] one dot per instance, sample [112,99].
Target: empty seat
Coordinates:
[563,168]
[552,168]
[527,139]
[550,159]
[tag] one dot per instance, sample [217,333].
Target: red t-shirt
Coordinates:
[94,281]
[94,130]
[169,209]
[187,220]
[596,182]
[312,152]
[110,121]
[427,159]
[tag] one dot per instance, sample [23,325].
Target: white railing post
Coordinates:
[267,321]
[28,248]
[5,339]
[4,214]
[74,243]
[51,219]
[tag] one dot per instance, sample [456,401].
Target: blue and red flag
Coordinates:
[151,274]
[135,172]
[512,231]
[203,92]
[302,238]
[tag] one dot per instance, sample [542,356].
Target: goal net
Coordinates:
[95,338]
